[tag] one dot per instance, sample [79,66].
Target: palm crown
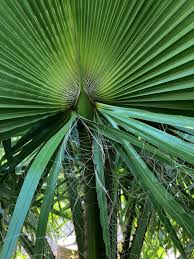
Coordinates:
[107,85]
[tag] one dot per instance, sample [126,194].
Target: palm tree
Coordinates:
[103,92]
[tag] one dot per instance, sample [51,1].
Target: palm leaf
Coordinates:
[86,56]
[47,204]
[158,138]
[151,184]
[174,120]
[167,224]
[102,192]
[28,189]
[140,232]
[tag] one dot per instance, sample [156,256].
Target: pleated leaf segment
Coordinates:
[117,79]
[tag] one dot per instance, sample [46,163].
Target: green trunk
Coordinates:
[94,239]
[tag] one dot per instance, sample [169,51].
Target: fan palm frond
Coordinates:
[108,85]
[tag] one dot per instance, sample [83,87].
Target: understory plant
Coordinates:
[97,126]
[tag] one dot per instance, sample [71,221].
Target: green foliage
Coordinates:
[97,125]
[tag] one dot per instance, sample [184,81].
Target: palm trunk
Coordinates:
[94,240]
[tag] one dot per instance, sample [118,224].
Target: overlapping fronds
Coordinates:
[133,53]
[125,69]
